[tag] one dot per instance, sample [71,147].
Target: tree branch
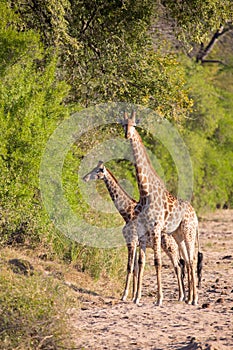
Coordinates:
[204,51]
[213,61]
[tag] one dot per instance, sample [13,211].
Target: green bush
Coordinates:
[31,106]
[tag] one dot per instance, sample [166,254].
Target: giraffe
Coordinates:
[125,205]
[157,212]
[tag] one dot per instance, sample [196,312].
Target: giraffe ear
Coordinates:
[124,120]
[126,115]
[133,116]
[100,164]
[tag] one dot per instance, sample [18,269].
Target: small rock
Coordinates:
[227,257]
[192,340]
[211,347]
[224,292]
[22,267]
[213,338]
[205,306]
[57,274]
[43,256]
[220,301]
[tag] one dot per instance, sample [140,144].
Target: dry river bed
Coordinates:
[104,322]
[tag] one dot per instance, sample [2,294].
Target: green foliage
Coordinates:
[208,134]
[109,55]
[31,106]
[195,19]
[47,17]
[116,61]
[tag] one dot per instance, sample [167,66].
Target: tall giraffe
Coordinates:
[125,205]
[160,212]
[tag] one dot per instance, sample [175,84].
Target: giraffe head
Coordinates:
[98,173]
[129,124]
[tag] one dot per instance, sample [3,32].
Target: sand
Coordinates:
[105,322]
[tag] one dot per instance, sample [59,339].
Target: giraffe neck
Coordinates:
[145,172]
[122,201]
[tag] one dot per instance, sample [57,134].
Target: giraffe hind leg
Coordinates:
[158,267]
[182,268]
[199,268]
[190,238]
[170,247]
[184,261]
[135,276]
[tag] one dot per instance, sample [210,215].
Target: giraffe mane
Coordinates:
[120,185]
[147,157]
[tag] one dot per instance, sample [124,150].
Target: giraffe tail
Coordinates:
[199,262]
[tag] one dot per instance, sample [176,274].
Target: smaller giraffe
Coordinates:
[126,205]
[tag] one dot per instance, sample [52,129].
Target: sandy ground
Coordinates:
[108,323]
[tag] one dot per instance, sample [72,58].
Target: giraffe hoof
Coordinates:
[158,303]
[124,298]
[181,299]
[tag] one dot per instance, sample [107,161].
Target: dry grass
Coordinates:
[37,297]
[33,305]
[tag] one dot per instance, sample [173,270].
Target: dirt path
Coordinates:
[107,323]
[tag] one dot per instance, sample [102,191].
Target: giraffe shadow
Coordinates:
[191,346]
[82,290]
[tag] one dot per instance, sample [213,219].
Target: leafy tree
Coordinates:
[196,19]
[46,17]
[208,133]
[106,53]
[31,106]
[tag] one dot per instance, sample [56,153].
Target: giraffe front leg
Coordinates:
[141,264]
[158,266]
[135,276]
[130,264]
